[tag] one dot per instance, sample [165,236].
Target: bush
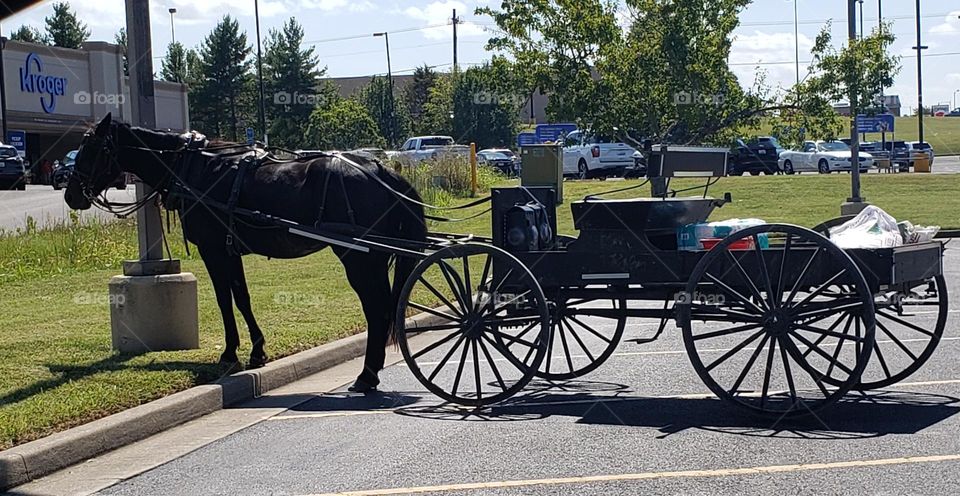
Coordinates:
[440,181]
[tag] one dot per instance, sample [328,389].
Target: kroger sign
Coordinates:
[32,80]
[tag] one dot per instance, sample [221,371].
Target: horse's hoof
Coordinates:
[227,368]
[257,362]
[361,387]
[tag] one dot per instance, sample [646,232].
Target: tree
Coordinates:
[224,95]
[483,112]
[173,67]
[291,77]
[345,125]
[121,40]
[64,29]
[438,110]
[388,110]
[29,34]
[416,93]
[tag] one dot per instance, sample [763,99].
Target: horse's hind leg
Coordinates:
[258,357]
[221,269]
[368,276]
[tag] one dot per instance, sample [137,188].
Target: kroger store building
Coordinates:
[54,94]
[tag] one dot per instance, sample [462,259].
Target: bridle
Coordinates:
[106,156]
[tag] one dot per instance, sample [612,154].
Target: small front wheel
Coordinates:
[823,167]
[490,319]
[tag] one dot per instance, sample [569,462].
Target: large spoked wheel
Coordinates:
[910,324]
[583,335]
[492,327]
[752,320]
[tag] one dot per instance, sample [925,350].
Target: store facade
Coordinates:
[54,94]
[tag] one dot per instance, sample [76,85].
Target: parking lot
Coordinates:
[643,423]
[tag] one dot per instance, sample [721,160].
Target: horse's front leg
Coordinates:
[221,269]
[258,357]
[367,274]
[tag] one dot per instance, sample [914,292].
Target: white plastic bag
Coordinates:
[871,228]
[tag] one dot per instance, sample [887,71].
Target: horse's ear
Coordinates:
[104,126]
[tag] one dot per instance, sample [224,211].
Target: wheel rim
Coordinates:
[788,166]
[758,345]
[582,169]
[577,347]
[824,168]
[479,299]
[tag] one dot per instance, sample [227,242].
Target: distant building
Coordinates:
[892,102]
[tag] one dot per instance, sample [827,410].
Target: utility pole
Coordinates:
[262,113]
[863,137]
[796,39]
[855,203]
[455,22]
[173,34]
[392,123]
[3,89]
[919,48]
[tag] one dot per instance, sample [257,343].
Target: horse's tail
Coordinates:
[413,227]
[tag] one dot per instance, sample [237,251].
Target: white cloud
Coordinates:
[950,25]
[440,14]
[755,52]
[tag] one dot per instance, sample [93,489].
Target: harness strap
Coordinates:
[323,201]
[346,199]
[234,198]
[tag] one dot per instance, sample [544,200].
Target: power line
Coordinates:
[368,35]
[944,54]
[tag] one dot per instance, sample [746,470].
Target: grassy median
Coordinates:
[57,369]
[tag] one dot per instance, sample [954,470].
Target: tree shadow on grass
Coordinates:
[201,373]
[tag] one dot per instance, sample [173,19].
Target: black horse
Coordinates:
[325,189]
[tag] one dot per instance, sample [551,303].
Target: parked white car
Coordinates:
[421,148]
[587,155]
[823,157]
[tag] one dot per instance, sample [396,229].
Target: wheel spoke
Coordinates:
[736,349]
[566,349]
[882,360]
[504,351]
[746,278]
[590,329]
[897,341]
[836,351]
[502,280]
[818,380]
[467,285]
[579,340]
[788,374]
[496,309]
[772,302]
[732,292]
[842,317]
[826,332]
[435,345]
[443,299]
[434,312]
[446,358]
[735,316]
[766,373]
[826,312]
[493,365]
[822,353]
[749,366]
[463,361]
[801,277]
[905,323]
[438,327]
[726,332]
[783,261]
[483,279]
[476,369]
[515,339]
[455,284]
[816,292]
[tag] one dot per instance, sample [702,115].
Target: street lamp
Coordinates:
[955,99]
[919,48]
[386,39]
[796,39]
[173,36]
[261,110]
[855,203]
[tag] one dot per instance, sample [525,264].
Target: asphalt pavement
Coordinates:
[45,205]
[643,423]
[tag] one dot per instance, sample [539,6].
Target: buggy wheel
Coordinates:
[577,347]
[490,318]
[910,324]
[758,341]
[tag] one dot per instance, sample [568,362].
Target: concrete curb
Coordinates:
[24,463]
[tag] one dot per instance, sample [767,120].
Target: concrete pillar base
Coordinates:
[154,313]
[852,208]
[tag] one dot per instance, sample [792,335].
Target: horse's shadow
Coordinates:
[202,373]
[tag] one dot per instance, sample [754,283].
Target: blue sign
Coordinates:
[32,80]
[553,132]
[875,124]
[524,139]
[18,140]
[250,139]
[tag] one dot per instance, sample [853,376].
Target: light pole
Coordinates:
[855,203]
[863,136]
[386,39]
[955,99]
[173,35]
[261,111]
[919,48]
[796,39]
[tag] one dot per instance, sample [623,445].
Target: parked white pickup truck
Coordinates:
[422,148]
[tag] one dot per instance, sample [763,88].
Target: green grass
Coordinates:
[943,133]
[57,368]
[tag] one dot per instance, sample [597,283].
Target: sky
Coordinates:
[421,33]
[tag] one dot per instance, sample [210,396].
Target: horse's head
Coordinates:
[95,167]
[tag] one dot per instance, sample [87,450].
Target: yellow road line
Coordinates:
[726,472]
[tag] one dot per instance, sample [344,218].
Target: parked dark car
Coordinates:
[13,173]
[899,153]
[503,160]
[753,157]
[61,175]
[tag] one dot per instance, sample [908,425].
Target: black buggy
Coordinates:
[775,318]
